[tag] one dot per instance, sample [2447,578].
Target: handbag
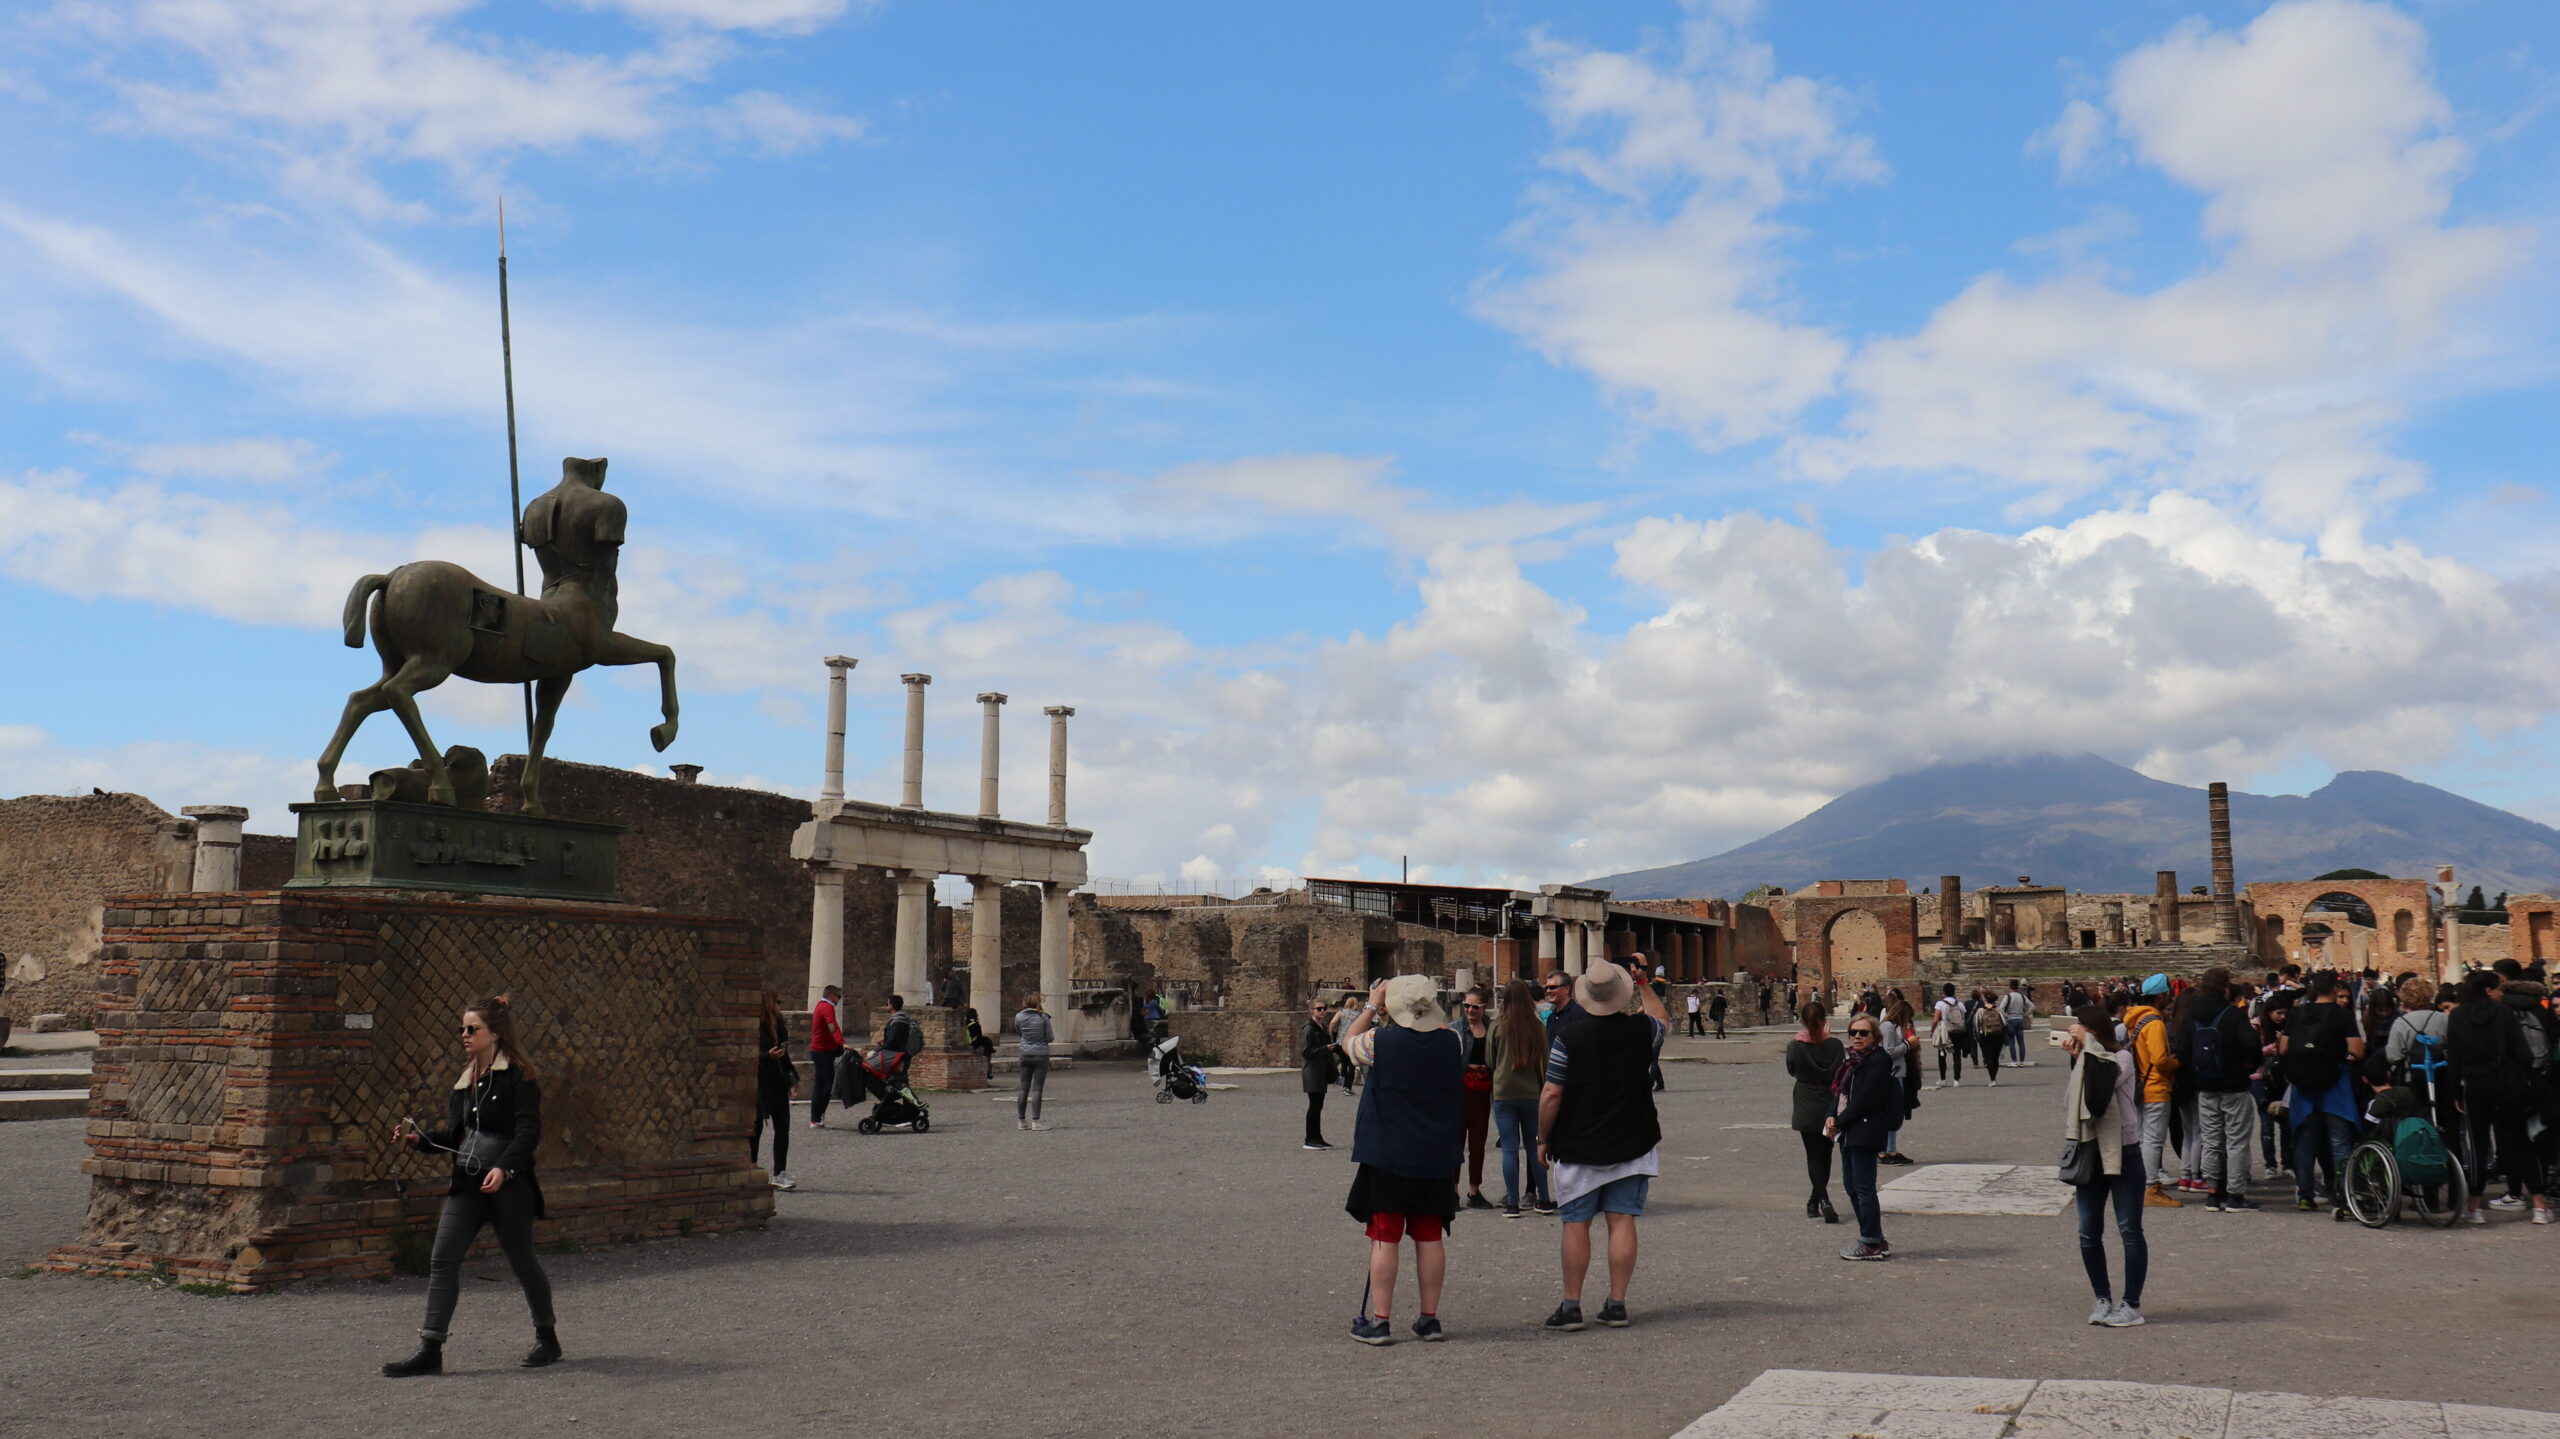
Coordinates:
[2082,1165]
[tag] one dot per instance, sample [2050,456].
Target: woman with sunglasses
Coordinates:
[493,1123]
[1475,1040]
[1813,1056]
[1866,1103]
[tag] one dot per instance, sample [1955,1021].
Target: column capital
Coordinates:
[216,811]
[1060,711]
[915,679]
[841,662]
[992,698]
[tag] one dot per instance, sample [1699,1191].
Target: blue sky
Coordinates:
[1537,440]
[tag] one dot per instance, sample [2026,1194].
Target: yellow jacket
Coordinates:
[2151,1057]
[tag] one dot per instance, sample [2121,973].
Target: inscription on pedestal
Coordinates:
[387,844]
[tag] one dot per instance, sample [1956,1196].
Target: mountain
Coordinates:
[2090,824]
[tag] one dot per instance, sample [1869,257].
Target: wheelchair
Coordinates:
[2406,1163]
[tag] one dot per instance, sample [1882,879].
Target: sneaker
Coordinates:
[1955,1084]
[2238,1204]
[2542,1214]
[2099,1314]
[1938,1084]
[817,1124]
[2507,1201]
[1544,1206]
[1864,1251]
[2124,1316]
[785,1181]
[2302,1203]
[2194,1186]
[1372,1331]
[1995,1084]
[1478,1201]
[1427,1329]
[1614,1313]
[1037,1126]
[2157,1198]
[1568,1317]
[1511,1211]
[2213,1202]
[1318,1145]
[1022,1124]
[2475,1216]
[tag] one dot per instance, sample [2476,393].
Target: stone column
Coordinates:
[1951,911]
[834,789]
[2164,902]
[217,846]
[826,931]
[990,719]
[1573,947]
[914,934]
[1057,937]
[911,792]
[1550,947]
[986,950]
[2114,933]
[2226,893]
[1058,763]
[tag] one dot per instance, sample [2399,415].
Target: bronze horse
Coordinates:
[432,620]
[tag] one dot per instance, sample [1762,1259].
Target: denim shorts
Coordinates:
[1618,1196]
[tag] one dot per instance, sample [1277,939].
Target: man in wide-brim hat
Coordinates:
[1598,1132]
[1407,1145]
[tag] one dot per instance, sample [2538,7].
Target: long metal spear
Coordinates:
[515,485]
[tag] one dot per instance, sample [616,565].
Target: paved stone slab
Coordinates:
[2107,1409]
[2305,1416]
[2472,1421]
[1816,1388]
[1790,1421]
[1975,1189]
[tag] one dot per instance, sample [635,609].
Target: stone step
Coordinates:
[15,1079]
[43,1104]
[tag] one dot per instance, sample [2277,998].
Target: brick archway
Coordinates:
[2399,945]
[1897,915]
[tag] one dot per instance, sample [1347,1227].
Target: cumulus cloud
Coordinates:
[1357,491]
[1654,258]
[2073,138]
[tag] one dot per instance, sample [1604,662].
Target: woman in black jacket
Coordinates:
[1866,1105]
[776,1077]
[2485,1040]
[493,1124]
[1812,1056]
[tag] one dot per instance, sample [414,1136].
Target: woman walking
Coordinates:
[1990,1035]
[1949,1037]
[2102,1108]
[1475,1040]
[1316,1060]
[775,1079]
[1813,1056]
[1896,1039]
[1865,1101]
[1032,1030]
[493,1124]
[1518,1055]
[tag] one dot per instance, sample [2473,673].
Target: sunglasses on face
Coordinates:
[1862,1034]
[471,1029]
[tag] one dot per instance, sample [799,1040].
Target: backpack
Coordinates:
[2419,1147]
[2204,1057]
[2312,1059]
[2425,1062]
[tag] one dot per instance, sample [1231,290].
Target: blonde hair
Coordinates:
[2417,992]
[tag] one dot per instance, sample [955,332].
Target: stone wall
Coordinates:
[254,1053]
[60,855]
[1256,956]
[714,849]
[1251,1038]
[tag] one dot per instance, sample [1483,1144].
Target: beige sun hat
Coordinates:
[1604,989]
[1413,1001]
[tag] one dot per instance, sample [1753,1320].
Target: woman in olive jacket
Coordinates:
[493,1124]
[1811,1057]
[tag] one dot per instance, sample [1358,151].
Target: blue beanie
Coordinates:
[2156,984]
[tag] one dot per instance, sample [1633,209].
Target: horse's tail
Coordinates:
[365,590]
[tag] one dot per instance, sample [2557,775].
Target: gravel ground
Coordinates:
[1182,1270]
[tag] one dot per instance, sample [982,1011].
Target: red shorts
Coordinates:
[1389,1228]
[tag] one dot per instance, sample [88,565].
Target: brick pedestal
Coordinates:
[947,1061]
[254,1050]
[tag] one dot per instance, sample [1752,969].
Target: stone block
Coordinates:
[2109,1409]
[2305,1416]
[2472,1421]
[1886,1391]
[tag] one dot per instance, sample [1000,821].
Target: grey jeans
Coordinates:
[2155,1139]
[1030,1087]
[510,1212]
[2227,1121]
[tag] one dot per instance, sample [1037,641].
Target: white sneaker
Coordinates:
[1022,1124]
[785,1181]
[2475,1216]
[1035,1124]
[1955,1084]
[1993,1083]
[2123,1316]
[2099,1314]
[2507,1201]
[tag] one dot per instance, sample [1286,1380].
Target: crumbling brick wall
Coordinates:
[60,855]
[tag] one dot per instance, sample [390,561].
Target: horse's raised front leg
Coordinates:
[547,694]
[402,689]
[622,649]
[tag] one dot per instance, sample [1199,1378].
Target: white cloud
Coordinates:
[1654,263]
[247,460]
[786,17]
[2073,137]
[1354,490]
[777,126]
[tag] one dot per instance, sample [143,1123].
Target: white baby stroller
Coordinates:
[1173,1078]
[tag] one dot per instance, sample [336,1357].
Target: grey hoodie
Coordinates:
[1031,1027]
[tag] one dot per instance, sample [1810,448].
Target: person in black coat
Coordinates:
[493,1124]
[1866,1105]
[776,1077]
[1316,1059]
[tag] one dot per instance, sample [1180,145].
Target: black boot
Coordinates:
[546,1347]
[428,1360]
[1829,1214]
[1813,1207]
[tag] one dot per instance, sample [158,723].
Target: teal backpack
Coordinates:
[2419,1147]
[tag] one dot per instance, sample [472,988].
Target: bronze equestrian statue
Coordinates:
[432,620]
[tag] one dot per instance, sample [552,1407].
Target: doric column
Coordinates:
[217,846]
[1550,947]
[1057,937]
[986,950]
[826,931]
[837,665]
[911,792]
[914,934]
[990,721]
[1058,763]
[2164,899]
[2226,894]
[1951,911]
[1573,946]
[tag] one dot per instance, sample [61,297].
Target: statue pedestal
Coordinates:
[389,844]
